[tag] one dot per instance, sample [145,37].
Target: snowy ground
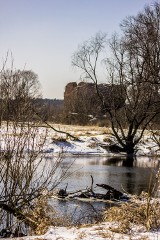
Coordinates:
[97,232]
[90,142]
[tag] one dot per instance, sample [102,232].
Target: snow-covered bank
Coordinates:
[96,232]
[93,141]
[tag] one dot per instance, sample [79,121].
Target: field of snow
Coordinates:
[92,141]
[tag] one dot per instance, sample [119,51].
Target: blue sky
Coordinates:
[43,34]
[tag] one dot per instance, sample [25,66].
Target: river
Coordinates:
[111,171]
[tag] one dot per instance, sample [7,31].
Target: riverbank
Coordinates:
[100,231]
[129,221]
[93,140]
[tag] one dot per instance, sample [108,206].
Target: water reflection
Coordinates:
[111,171]
[80,212]
[113,161]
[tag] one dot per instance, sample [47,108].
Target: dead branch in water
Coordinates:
[89,193]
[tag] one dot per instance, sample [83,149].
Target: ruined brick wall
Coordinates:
[81,100]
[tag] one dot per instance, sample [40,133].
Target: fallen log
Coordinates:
[88,193]
[113,193]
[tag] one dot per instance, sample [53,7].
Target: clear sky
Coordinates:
[43,34]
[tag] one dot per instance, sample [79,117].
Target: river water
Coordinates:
[111,171]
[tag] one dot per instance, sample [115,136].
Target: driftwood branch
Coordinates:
[112,192]
[56,130]
[89,193]
[92,183]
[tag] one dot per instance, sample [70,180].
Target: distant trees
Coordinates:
[20,94]
[134,65]
[17,91]
[49,109]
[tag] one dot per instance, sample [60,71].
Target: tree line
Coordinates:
[20,92]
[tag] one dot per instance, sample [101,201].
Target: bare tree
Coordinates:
[88,56]
[25,175]
[134,66]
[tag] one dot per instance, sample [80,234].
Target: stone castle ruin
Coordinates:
[83,105]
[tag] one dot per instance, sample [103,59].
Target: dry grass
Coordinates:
[84,129]
[81,235]
[45,216]
[108,140]
[106,235]
[39,239]
[140,211]
[59,139]
[129,214]
[92,145]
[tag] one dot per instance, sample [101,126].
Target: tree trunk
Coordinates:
[129,149]
[128,162]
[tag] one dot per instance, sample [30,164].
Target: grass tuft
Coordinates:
[129,214]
